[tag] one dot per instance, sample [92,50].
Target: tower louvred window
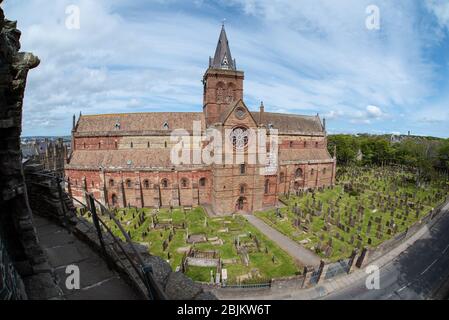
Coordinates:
[225,62]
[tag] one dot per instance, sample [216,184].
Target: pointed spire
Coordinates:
[223,58]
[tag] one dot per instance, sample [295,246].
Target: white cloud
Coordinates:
[298,56]
[374,112]
[440,8]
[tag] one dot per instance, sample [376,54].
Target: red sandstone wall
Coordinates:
[108,185]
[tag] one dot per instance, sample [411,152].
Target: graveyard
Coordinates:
[202,246]
[367,207]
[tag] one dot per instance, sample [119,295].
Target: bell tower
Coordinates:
[223,83]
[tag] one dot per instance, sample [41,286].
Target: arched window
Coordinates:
[114,199]
[316,144]
[220,92]
[132,145]
[129,184]
[148,144]
[230,93]
[305,144]
[92,183]
[111,182]
[146,184]
[267,186]
[242,169]
[242,189]
[84,145]
[202,182]
[298,173]
[164,183]
[312,172]
[291,144]
[165,144]
[116,144]
[99,145]
[324,170]
[184,183]
[281,177]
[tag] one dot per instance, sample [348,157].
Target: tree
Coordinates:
[347,147]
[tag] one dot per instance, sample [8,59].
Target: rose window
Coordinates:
[239,138]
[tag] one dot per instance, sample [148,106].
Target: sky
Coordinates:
[304,57]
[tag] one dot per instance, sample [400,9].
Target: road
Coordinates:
[420,272]
[304,256]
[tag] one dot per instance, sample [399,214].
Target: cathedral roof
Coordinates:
[222,58]
[138,123]
[122,159]
[311,155]
[291,123]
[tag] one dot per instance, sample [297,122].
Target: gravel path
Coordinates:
[298,252]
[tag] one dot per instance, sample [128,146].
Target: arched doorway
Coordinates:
[241,204]
[114,200]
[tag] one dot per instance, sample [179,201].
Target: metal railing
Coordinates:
[143,270]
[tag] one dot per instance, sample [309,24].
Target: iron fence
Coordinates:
[143,270]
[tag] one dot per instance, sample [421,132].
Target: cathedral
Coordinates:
[127,159]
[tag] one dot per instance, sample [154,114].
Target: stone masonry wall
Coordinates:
[16,223]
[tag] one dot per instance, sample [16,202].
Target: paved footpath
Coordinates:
[298,252]
[97,282]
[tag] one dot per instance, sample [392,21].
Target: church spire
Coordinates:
[223,58]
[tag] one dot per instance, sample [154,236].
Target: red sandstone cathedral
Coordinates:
[125,159]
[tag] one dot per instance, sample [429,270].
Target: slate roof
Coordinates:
[138,123]
[291,123]
[304,155]
[222,58]
[156,159]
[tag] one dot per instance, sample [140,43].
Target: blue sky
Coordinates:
[305,57]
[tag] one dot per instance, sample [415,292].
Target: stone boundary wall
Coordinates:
[20,248]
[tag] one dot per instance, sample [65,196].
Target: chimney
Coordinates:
[261,113]
[74,121]
[324,124]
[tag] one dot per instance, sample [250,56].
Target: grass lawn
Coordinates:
[196,222]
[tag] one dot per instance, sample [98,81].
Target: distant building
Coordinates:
[51,154]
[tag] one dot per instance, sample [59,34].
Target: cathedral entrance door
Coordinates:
[241,204]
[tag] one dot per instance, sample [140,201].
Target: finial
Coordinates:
[223,22]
